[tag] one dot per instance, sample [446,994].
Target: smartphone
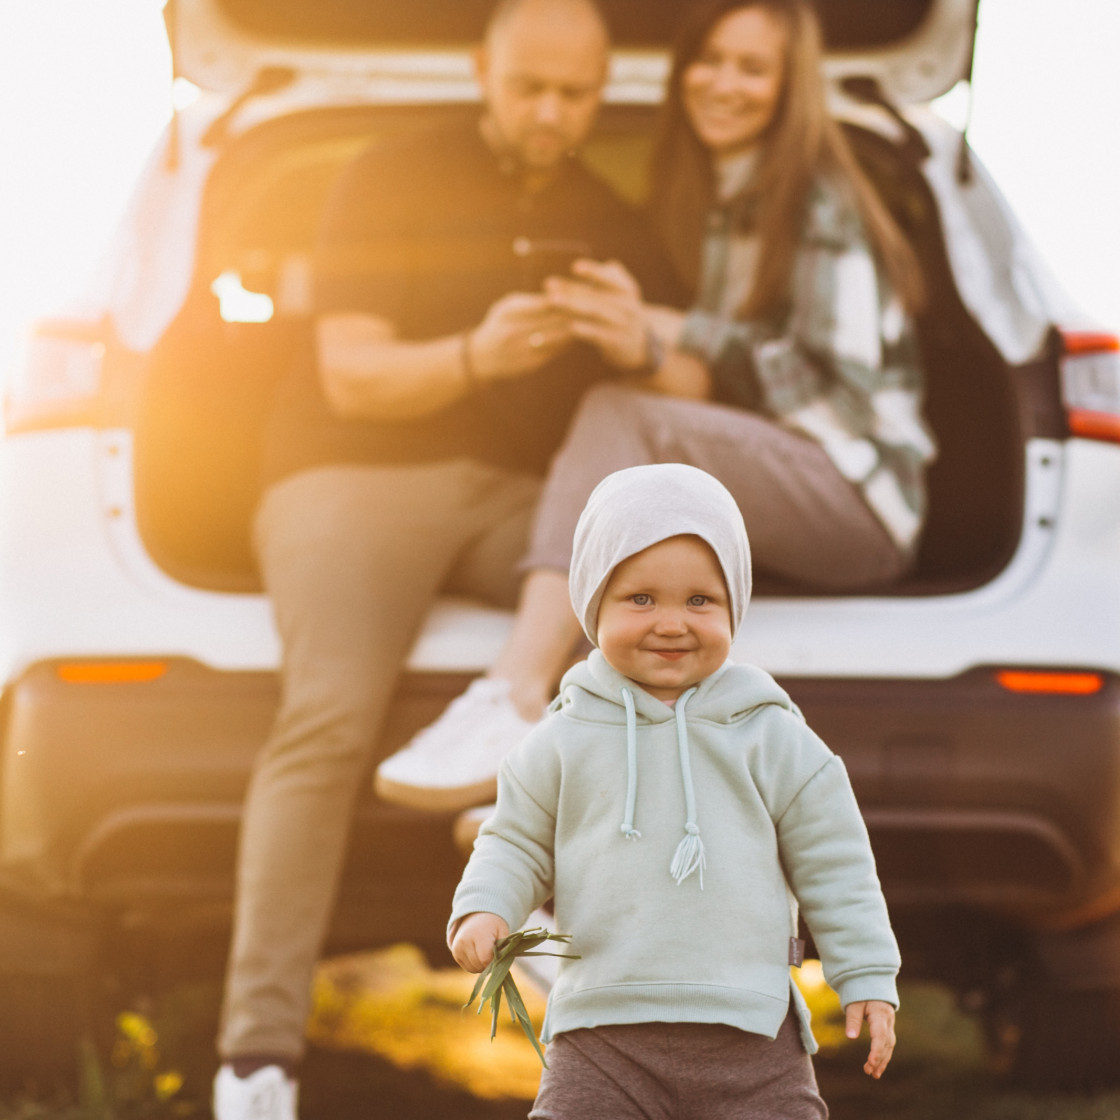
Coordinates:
[544,257]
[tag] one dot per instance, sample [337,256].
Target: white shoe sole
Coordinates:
[436,799]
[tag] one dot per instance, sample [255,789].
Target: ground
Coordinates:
[390,1031]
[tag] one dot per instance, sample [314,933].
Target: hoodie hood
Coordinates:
[635,508]
[592,691]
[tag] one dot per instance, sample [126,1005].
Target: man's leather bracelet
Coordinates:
[655,354]
[470,376]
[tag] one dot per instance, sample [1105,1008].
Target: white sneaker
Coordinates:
[467,824]
[267,1094]
[453,763]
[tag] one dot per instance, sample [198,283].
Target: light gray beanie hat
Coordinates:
[639,506]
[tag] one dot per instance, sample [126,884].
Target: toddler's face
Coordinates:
[665,617]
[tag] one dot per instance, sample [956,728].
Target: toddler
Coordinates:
[680,813]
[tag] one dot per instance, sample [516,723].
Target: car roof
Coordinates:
[915,49]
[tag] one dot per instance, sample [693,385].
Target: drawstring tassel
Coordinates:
[689,856]
[628,829]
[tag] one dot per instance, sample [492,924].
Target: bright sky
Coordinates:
[84,91]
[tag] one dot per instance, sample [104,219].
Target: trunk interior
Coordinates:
[360,24]
[207,390]
[846,22]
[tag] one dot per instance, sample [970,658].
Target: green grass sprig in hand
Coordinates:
[496,979]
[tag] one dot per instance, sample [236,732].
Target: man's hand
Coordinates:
[520,332]
[880,1018]
[472,942]
[604,306]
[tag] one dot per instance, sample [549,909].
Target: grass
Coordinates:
[390,1032]
[390,1004]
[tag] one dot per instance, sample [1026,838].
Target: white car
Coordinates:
[977,705]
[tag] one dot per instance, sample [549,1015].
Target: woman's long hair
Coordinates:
[802,143]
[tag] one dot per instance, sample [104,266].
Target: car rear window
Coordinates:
[848,24]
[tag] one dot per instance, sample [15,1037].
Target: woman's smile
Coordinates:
[731,92]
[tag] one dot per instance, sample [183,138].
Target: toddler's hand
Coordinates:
[472,943]
[880,1018]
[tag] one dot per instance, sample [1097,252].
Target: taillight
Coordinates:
[58,381]
[1091,384]
[1042,682]
[110,672]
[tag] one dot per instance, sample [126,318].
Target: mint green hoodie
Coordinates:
[679,843]
[780,828]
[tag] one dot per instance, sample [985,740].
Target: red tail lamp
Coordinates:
[1090,368]
[1052,683]
[111,672]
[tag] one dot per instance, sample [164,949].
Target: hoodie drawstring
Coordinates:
[628,829]
[689,856]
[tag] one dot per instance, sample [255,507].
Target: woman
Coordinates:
[793,378]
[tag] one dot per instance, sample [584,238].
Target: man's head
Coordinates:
[542,68]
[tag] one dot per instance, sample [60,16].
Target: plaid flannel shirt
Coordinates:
[841,367]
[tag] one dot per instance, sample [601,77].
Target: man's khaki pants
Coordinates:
[352,558]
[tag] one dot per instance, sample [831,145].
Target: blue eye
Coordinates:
[698,600]
[641,599]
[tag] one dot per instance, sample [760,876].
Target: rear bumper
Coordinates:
[976,795]
[127,798]
[128,795]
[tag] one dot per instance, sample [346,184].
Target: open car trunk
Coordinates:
[915,50]
[209,386]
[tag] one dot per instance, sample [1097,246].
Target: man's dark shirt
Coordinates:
[421,232]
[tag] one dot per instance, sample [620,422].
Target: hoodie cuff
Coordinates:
[880,986]
[479,902]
